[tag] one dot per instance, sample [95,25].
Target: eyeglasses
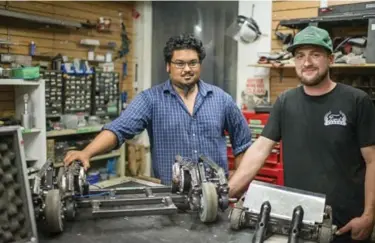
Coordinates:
[181,65]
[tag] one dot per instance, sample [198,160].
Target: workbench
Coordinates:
[182,227]
[153,229]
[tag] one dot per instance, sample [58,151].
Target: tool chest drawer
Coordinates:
[272,171]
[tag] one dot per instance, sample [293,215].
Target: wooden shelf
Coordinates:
[337,65]
[82,130]
[9,81]
[115,153]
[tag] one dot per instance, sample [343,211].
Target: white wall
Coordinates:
[142,55]
[143,44]
[248,53]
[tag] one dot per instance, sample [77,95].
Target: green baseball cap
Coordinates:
[312,35]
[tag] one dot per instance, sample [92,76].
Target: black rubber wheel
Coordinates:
[54,212]
[70,210]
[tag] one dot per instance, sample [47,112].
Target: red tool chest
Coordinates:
[272,171]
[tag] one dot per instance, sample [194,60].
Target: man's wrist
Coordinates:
[369,213]
[89,153]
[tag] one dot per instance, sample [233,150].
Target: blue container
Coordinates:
[93,178]
[111,166]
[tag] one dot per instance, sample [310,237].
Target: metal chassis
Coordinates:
[100,206]
[151,199]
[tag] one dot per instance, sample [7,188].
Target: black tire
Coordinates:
[54,212]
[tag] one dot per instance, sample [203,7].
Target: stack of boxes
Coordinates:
[77,94]
[272,171]
[53,92]
[106,94]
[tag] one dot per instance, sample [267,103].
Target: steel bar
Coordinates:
[134,212]
[128,201]
[134,190]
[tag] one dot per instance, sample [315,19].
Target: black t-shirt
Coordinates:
[322,137]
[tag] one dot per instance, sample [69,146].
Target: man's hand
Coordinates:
[360,227]
[77,155]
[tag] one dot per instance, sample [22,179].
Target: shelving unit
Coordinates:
[18,82]
[82,130]
[34,139]
[112,154]
[336,65]
[119,153]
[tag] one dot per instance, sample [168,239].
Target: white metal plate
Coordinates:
[283,200]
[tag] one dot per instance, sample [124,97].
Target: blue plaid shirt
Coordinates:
[173,131]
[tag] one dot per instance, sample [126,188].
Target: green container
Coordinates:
[26,73]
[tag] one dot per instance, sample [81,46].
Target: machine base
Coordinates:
[282,211]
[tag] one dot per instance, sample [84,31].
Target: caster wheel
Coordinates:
[70,211]
[209,203]
[235,216]
[54,212]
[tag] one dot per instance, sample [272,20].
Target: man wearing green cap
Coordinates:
[328,135]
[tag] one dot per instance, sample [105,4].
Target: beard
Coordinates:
[187,87]
[315,80]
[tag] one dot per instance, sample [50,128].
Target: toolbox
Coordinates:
[272,171]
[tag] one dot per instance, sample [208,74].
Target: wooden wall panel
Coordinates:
[291,9]
[50,42]
[287,10]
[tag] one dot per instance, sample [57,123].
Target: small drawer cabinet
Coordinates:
[272,171]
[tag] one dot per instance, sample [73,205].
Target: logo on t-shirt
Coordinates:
[335,119]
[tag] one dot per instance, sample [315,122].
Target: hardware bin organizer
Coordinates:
[77,94]
[53,92]
[106,94]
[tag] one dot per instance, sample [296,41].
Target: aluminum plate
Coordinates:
[283,200]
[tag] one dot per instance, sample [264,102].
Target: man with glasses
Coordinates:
[183,116]
[328,135]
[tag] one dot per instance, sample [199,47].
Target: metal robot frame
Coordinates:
[197,186]
[270,209]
